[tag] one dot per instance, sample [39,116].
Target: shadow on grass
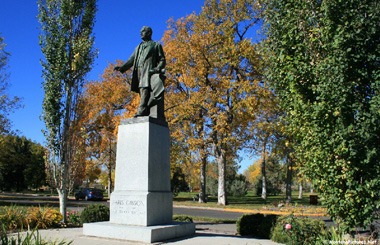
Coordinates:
[249,200]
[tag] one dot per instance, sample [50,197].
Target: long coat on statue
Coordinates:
[146,57]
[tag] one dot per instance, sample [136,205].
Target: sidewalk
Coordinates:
[206,234]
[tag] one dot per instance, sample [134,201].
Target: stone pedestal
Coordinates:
[141,206]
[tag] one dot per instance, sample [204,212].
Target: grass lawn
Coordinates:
[255,204]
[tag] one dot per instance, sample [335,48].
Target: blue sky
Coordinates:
[116,31]
[117,27]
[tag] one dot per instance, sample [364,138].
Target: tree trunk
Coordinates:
[203,155]
[63,186]
[62,194]
[264,188]
[300,191]
[65,152]
[202,193]
[222,196]
[109,175]
[263,178]
[263,172]
[109,185]
[289,182]
[62,190]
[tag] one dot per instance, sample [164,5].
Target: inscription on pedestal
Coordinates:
[126,206]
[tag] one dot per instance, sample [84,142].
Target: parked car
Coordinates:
[89,194]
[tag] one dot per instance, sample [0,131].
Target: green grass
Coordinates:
[247,202]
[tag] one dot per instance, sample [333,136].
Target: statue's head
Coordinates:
[146,33]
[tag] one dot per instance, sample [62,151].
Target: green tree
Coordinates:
[34,172]
[7,103]
[177,180]
[67,43]
[324,65]
[13,158]
[21,163]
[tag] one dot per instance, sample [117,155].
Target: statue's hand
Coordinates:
[117,68]
[154,71]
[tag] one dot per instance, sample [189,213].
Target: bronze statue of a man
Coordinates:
[148,61]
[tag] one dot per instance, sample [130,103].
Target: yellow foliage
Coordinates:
[131,108]
[13,217]
[104,103]
[43,218]
[213,85]
[253,172]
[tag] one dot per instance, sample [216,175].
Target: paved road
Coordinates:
[210,213]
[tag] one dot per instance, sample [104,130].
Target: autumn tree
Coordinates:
[67,43]
[185,113]
[93,171]
[253,172]
[77,168]
[102,107]
[182,157]
[324,66]
[265,133]
[275,174]
[7,102]
[213,85]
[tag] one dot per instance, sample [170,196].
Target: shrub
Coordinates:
[257,225]
[43,217]
[338,235]
[73,218]
[211,186]
[237,188]
[297,230]
[333,234]
[13,217]
[182,218]
[95,213]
